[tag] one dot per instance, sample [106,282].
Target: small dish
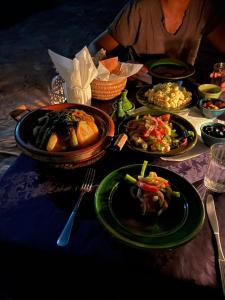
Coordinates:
[209,90]
[213,133]
[210,108]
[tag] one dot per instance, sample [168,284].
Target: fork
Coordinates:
[85,188]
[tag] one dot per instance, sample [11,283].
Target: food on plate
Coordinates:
[65,130]
[213,104]
[154,192]
[168,95]
[152,133]
[215,130]
[169,70]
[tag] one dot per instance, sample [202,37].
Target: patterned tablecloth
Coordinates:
[35,202]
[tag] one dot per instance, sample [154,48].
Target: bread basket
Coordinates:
[107,90]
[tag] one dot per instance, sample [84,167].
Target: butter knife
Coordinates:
[211,211]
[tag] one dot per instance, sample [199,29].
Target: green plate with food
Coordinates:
[149,207]
[158,133]
[167,97]
[169,69]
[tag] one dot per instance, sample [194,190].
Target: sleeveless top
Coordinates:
[139,26]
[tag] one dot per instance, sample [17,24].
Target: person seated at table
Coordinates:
[173,28]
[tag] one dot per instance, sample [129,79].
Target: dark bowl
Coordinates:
[208,138]
[208,112]
[66,159]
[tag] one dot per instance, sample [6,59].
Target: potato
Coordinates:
[54,143]
[73,138]
[87,133]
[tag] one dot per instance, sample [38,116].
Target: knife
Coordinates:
[211,211]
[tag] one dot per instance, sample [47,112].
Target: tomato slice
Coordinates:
[147,187]
[165,117]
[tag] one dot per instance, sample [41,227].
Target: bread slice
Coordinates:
[112,64]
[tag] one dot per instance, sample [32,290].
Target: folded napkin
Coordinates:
[78,75]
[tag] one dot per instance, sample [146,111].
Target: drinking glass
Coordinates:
[56,93]
[218,73]
[214,179]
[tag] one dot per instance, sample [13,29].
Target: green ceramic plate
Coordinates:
[179,123]
[170,69]
[118,210]
[142,99]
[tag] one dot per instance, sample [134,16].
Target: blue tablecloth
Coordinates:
[35,202]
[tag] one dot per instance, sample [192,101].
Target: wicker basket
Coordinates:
[107,90]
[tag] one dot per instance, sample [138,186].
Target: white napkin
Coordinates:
[126,70]
[78,75]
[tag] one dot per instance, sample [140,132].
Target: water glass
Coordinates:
[214,178]
[218,73]
[56,93]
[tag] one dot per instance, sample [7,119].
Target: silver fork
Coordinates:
[85,188]
[210,207]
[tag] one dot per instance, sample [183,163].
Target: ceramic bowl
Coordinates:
[208,90]
[65,159]
[208,133]
[209,111]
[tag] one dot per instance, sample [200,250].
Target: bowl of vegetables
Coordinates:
[65,135]
[212,108]
[212,133]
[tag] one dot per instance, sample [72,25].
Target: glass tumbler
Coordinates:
[218,73]
[214,178]
[56,93]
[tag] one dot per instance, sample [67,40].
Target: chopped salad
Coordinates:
[154,192]
[152,133]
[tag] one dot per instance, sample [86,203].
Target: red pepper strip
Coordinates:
[147,187]
[185,142]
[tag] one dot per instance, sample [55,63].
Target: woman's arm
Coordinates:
[105,41]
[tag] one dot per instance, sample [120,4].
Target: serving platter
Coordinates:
[117,210]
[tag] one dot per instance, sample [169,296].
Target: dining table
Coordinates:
[35,202]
